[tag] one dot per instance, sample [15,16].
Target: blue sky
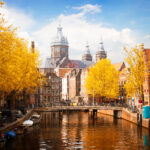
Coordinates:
[119,22]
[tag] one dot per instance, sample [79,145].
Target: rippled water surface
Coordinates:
[78,130]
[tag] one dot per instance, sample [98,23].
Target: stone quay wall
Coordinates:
[127,115]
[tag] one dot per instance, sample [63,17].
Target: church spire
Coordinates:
[59,39]
[101,48]
[101,53]
[87,56]
[87,50]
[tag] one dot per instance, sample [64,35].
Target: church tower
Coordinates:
[101,53]
[87,56]
[59,47]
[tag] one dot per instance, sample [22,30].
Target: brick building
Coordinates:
[74,85]
[50,93]
[123,73]
[84,94]
[146,85]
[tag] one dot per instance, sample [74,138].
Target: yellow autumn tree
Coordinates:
[18,64]
[103,80]
[137,70]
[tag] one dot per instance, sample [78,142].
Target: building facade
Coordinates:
[74,80]
[50,93]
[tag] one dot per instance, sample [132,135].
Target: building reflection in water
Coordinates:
[78,130]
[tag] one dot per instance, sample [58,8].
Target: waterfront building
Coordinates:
[84,93]
[75,85]
[123,73]
[50,93]
[146,85]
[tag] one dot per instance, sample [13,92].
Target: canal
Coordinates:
[78,130]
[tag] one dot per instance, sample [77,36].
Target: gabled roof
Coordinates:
[47,63]
[119,66]
[79,64]
[63,71]
[147,57]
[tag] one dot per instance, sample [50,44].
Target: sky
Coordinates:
[119,22]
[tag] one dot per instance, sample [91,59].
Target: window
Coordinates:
[48,90]
[57,92]
[52,79]
[48,98]
[52,93]
[63,50]
[53,86]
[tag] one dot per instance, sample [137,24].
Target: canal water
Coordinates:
[78,130]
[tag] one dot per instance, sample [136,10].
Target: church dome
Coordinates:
[59,39]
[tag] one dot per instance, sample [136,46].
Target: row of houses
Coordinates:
[70,86]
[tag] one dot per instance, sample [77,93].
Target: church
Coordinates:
[64,74]
[60,54]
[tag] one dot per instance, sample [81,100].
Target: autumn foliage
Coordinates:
[18,64]
[102,79]
[137,66]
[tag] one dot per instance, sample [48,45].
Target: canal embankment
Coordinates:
[129,116]
[19,121]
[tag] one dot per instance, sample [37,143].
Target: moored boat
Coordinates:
[20,130]
[9,135]
[36,119]
[2,138]
[28,123]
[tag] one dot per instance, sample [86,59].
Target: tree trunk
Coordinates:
[142,94]
[11,100]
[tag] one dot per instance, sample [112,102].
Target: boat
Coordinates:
[2,138]
[9,135]
[35,118]
[20,129]
[28,123]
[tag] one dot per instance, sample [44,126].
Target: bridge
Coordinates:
[114,111]
[79,108]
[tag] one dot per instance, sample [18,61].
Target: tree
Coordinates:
[18,64]
[103,79]
[137,67]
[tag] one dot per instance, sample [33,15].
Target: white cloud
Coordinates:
[147,37]
[19,19]
[78,30]
[89,8]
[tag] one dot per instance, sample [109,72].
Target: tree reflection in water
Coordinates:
[78,130]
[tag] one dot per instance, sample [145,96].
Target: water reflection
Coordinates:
[77,130]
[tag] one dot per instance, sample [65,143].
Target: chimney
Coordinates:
[142,46]
[32,46]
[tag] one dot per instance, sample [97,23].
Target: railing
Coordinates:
[77,108]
